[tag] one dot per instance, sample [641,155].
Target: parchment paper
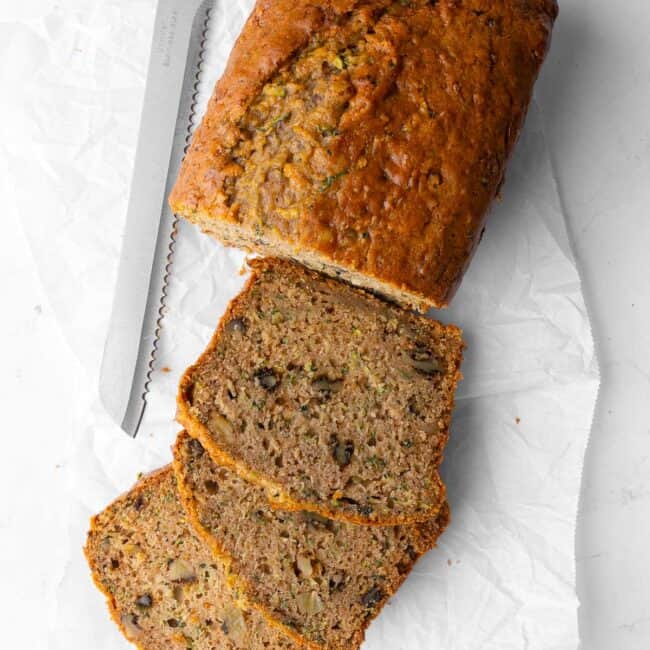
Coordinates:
[503,576]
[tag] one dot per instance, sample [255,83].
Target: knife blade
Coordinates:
[130,348]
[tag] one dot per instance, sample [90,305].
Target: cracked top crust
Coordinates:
[366,137]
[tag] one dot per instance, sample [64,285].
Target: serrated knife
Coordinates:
[167,114]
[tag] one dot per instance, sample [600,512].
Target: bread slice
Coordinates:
[323,580]
[163,586]
[366,138]
[335,401]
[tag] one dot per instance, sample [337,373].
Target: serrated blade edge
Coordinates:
[138,311]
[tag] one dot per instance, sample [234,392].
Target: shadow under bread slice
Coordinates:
[163,586]
[323,580]
[335,401]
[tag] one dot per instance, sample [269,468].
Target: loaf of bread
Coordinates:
[335,401]
[366,138]
[323,580]
[163,586]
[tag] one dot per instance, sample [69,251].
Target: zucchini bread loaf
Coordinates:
[366,138]
[163,586]
[334,400]
[323,580]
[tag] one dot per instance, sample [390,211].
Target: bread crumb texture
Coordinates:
[322,580]
[163,586]
[335,401]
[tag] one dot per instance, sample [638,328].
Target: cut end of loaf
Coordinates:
[236,236]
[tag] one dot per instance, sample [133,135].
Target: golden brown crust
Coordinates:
[421,196]
[428,533]
[278,496]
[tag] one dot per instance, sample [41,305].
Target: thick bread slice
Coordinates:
[163,586]
[334,400]
[366,138]
[323,580]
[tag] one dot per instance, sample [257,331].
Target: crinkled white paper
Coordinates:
[503,576]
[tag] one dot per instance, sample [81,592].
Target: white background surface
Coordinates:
[595,93]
